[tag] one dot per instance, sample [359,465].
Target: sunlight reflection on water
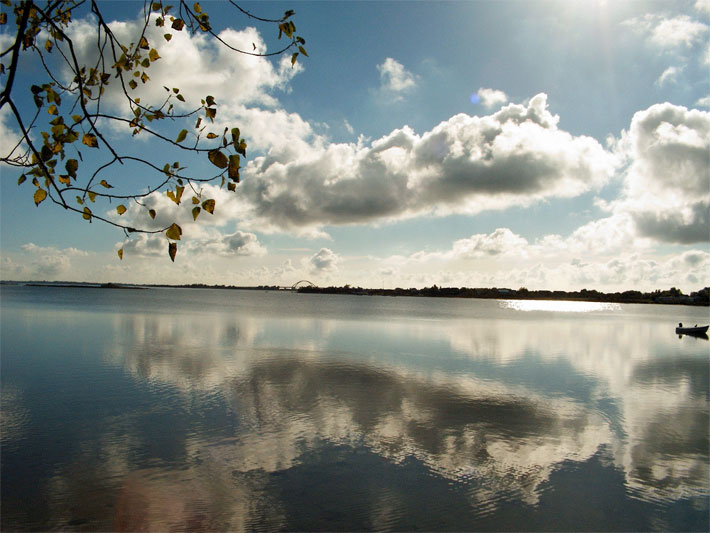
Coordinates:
[559,306]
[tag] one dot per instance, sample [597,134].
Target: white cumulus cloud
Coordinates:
[491,97]
[395,79]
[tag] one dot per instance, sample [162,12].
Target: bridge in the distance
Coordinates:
[298,285]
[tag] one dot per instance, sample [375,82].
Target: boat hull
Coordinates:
[698,330]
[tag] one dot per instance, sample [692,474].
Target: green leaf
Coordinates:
[168,36]
[174,232]
[132,84]
[218,159]
[195,212]
[303,51]
[293,59]
[121,209]
[172,251]
[208,205]
[39,196]
[181,136]
[21,179]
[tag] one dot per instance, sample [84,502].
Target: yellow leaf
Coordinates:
[105,184]
[63,178]
[181,136]
[92,196]
[172,250]
[174,232]
[144,44]
[153,54]
[87,214]
[218,159]
[120,253]
[52,110]
[90,140]
[212,136]
[195,212]
[152,213]
[195,200]
[208,205]
[40,195]
[234,167]
[121,209]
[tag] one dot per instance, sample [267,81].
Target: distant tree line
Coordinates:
[670,296]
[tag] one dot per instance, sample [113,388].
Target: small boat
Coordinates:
[691,330]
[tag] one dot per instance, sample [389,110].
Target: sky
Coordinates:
[541,144]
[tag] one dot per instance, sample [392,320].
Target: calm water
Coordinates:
[172,410]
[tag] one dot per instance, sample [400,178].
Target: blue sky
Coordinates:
[555,145]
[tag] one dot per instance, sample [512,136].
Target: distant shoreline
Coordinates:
[667,297]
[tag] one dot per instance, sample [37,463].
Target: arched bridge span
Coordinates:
[302,283]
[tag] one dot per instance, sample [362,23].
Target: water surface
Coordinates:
[184,409]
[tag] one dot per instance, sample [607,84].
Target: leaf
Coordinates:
[181,136]
[178,24]
[39,196]
[120,254]
[144,44]
[48,46]
[132,84]
[153,54]
[212,135]
[52,110]
[210,113]
[76,118]
[92,196]
[72,165]
[172,251]
[105,183]
[21,179]
[232,186]
[144,77]
[293,59]
[303,51]
[210,101]
[87,214]
[168,36]
[174,232]
[90,140]
[208,205]
[197,8]
[121,209]
[234,167]
[195,212]
[218,159]
[152,213]
[195,200]
[66,180]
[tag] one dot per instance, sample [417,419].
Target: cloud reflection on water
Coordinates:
[295,383]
